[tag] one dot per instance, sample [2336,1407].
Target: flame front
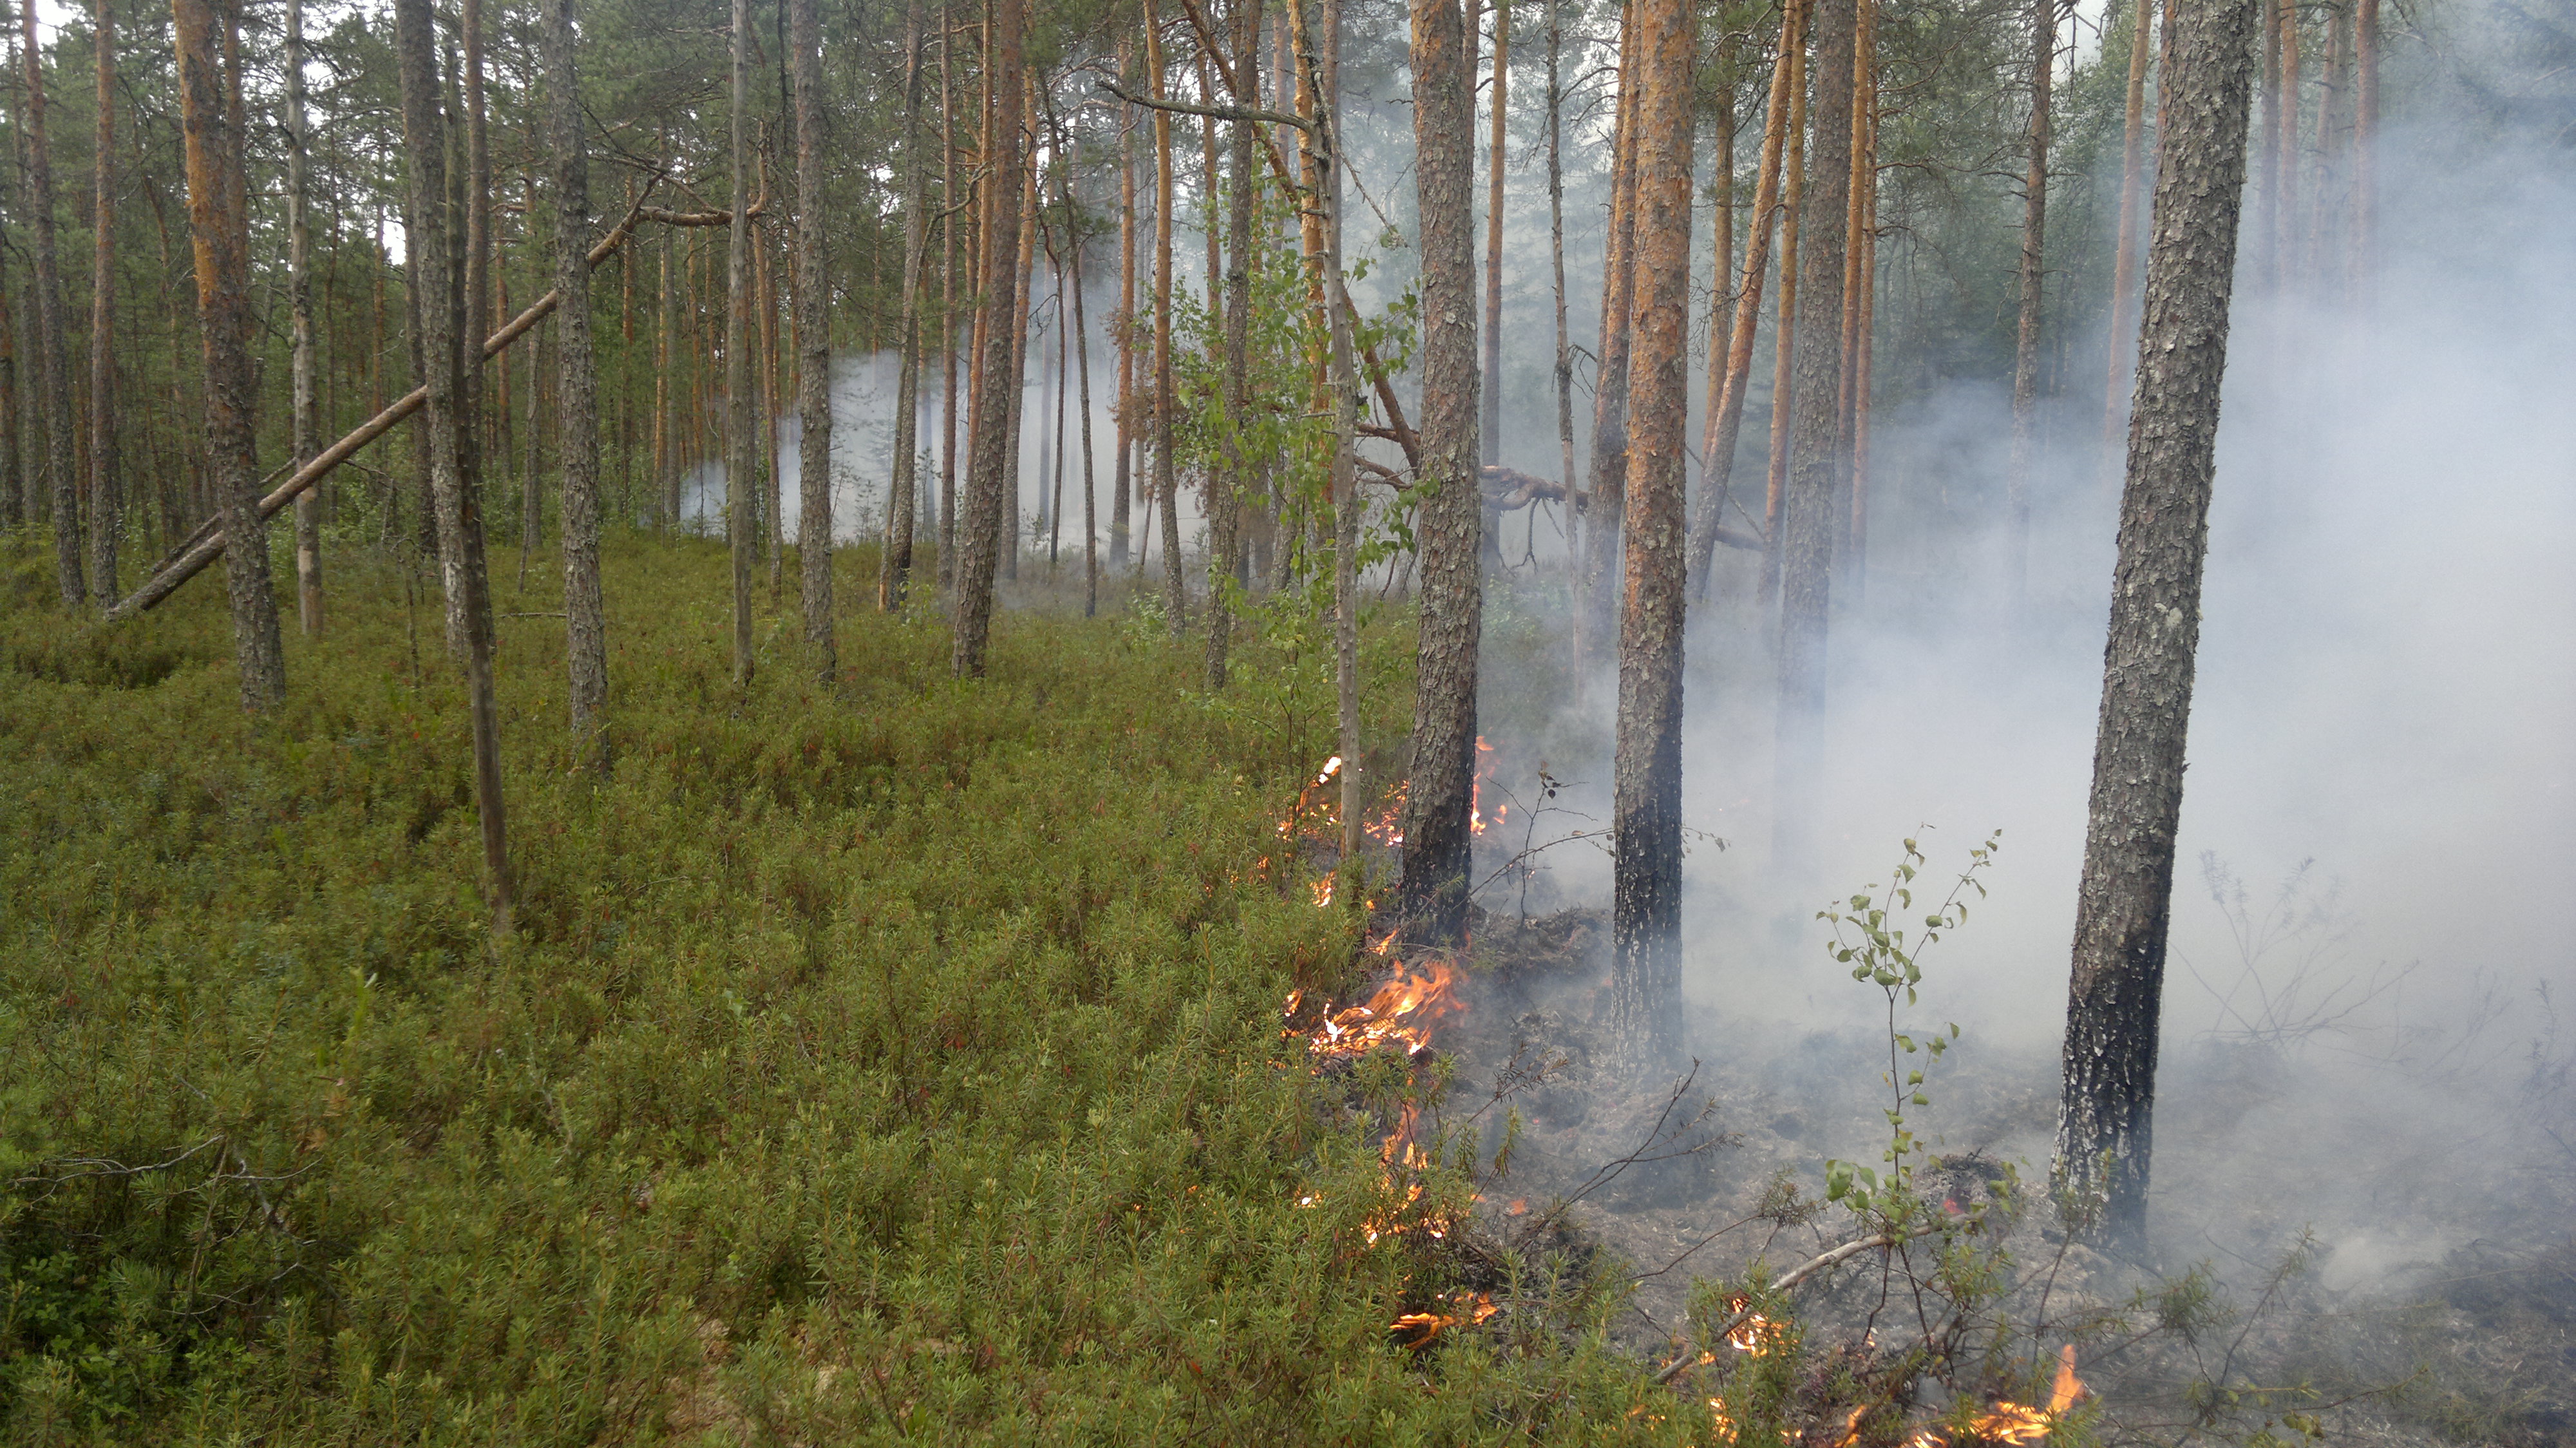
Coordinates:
[2018,1424]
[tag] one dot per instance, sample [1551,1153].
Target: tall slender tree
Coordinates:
[814,334]
[2124,903]
[741,480]
[2034,264]
[1646,878]
[1439,795]
[1226,497]
[896,569]
[219,233]
[106,499]
[1490,421]
[52,346]
[2124,256]
[585,625]
[1816,458]
[437,306]
[1609,469]
[988,470]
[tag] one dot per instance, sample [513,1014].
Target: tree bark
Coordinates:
[1439,796]
[2284,136]
[52,345]
[896,570]
[2123,906]
[1646,879]
[1784,332]
[741,481]
[1082,373]
[1120,496]
[477,209]
[1610,377]
[1166,488]
[1490,421]
[106,502]
[2124,258]
[2034,262]
[219,232]
[1564,372]
[437,303]
[1226,497]
[1816,455]
[585,623]
[989,471]
[951,209]
[1726,419]
[814,337]
[1015,383]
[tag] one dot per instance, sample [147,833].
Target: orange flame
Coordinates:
[2018,1424]
[1400,1012]
[1419,1328]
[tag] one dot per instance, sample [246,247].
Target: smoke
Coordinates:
[2360,1029]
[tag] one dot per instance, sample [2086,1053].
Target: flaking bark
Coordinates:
[585,624]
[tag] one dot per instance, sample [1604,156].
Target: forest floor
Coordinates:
[902,1060]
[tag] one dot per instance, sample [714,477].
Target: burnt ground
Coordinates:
[2382,1275]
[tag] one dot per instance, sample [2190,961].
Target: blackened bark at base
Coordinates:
[1816,453]
[2124,904]
[1440,789]
[1646,878]
[585,630]
[218,231]
[987,467]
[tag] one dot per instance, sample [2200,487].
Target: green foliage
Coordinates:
[894,1060]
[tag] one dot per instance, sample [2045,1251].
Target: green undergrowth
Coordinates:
[897,1061]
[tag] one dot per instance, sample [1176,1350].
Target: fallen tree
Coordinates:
[207,543]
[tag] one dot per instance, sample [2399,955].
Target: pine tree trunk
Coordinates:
[106,501]
[1439,806]
[814,336]
[1124,325]
[2285,137]
[2123,906]
[1166,487]
[437,303]
[1564,371]
[1082,371]
[764,415]
[2124,262]
[62,482]
[2034,262]
[1816,458]
[1226,496]
[477,302]
[895,569]
[219,231]
[1646,821]
[18,506]
[1015,389]
[1856,261]
[951,209]
[1726,418]
[989,471]
[1610,378]
[2365,141]
[577,401]
[1490,421]
[1784,331]
[741,475]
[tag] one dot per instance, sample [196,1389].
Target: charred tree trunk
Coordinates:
[2104,1131]
[2034,260]
[52,346]
[1726,419]
[814,337]
[1646,879]
[577,401]
[1439,808]
[741,479]
[218,224]
[437,304]
[989,471]
[1816,455]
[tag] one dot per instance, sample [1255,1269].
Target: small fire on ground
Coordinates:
[2019,1424]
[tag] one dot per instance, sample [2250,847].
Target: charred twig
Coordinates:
[1788,1280]
[99,1166]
